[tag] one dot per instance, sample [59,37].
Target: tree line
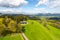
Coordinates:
[11,24]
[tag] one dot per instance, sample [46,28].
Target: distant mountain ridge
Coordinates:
[48,14]
[38,14]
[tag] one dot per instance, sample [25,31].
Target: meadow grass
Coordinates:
[36,31]
[16,36]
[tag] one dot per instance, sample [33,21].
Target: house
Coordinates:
[23,22]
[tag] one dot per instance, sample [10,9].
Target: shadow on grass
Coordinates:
[6,32]
[23,29]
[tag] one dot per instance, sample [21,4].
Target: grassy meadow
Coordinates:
[37,31]
[16,36]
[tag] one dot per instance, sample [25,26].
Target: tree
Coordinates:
[6,20]
[2,27]
[19,28]
[12,26]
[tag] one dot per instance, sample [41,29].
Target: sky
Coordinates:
[29,6]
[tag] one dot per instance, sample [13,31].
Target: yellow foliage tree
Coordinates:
[12,26]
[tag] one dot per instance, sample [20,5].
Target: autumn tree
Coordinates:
[6,21]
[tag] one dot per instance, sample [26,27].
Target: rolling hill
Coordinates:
[36,31]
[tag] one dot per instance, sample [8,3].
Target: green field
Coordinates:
[36,31]
[16,36]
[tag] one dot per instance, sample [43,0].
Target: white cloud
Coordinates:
[40,10]
[54,4]
[9,11]
[12,3]
[37,10]
[42,2]
[49,3]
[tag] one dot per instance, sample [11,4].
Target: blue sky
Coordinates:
[30,6]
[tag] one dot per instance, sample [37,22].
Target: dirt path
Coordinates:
[24,36]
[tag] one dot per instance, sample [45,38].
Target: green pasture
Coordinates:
[36,31]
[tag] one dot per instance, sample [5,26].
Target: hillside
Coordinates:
[36,31]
